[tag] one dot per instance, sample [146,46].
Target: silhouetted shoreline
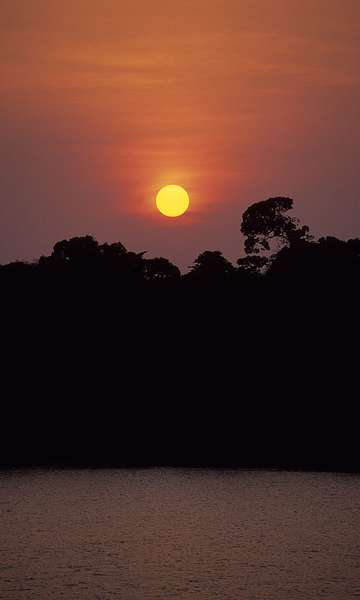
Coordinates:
[114,359]
[176,467]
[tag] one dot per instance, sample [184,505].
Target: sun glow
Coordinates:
[172,201]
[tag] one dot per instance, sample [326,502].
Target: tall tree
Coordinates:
[267,223]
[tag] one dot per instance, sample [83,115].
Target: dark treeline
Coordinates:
[112,358]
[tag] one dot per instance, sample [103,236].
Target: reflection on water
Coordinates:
[164,534]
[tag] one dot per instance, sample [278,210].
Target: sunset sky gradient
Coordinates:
[104,102]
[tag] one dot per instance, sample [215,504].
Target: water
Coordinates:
[179,534]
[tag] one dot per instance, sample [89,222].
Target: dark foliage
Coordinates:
[112,358]
[266,221]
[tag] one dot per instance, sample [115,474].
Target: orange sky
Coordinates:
[105,101]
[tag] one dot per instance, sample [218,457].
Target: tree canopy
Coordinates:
[267,221]
[275,244]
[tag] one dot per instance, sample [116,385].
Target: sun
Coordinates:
[172,200]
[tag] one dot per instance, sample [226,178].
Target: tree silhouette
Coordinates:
[117,259]
[212,263]
[113,252]
[313,263]
[253,264]
[77,250]
[266,222]
[160,269]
